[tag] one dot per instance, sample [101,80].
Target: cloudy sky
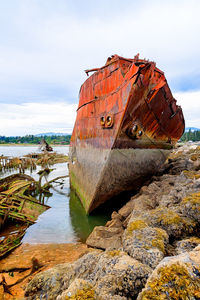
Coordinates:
[45,45]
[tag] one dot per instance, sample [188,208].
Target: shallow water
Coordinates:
[65,221]
[23,150]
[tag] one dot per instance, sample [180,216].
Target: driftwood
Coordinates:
[48,184]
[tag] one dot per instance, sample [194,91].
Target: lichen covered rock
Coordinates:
[119,274]
[145,243]
[190,206]
[48,284]
[137,203]
[78,289]
[170,220]
[175,278]
[186,245]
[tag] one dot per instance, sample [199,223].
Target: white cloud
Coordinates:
[190,103]
[33,118]
[50,43]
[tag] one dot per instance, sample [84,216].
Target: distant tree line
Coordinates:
[191,136]
[31,139]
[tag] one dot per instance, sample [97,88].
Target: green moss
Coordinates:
[135,225]
[173,282]
[78,190]
[86,293]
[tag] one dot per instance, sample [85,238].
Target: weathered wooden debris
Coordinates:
[30,161]
[18,194]
[44,146]
[48,159]
[16,163]
[15,204]
[9,243]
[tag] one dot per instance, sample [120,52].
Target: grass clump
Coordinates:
[135,225]
[86,293]
[173,282]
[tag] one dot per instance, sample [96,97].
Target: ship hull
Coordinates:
[127,122]
[99,174]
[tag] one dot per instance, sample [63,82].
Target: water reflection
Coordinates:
[66,220]
[81,222]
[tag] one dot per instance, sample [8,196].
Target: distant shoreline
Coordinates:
[30,145]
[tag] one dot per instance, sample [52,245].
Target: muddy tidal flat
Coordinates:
[17,266]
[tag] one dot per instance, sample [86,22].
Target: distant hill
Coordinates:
[192,129]
[51,133]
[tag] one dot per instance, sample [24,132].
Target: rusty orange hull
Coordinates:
[127,122]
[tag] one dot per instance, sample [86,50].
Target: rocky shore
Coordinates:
[150,249]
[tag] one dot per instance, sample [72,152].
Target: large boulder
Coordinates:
[111,274]
[186,245]
[105,237]
[114,275]
[145,243]
[169,219]
[190,205]
[175,277]
[48,284]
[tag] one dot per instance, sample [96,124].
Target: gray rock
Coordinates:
[105,237]
[190,206]
[175,277]
[48,284]
[138,203]
[144,243]
[169,219]
[116,221]
[106,275]
[186,245]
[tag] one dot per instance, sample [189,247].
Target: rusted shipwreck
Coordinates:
[127,122]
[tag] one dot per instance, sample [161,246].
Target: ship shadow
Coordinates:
[83,224]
